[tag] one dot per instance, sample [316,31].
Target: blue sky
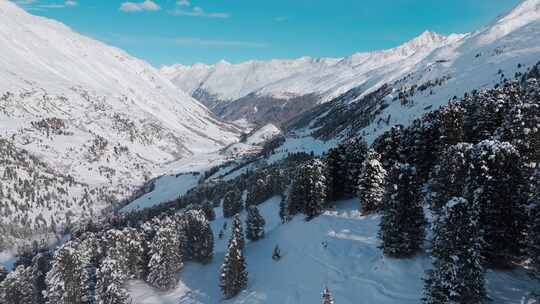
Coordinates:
[188,31]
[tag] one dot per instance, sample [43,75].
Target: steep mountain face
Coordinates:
[89,113]
[278,90]
[500,51]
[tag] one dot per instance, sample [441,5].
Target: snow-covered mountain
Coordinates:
[244,90]
[500,51]
[90,112]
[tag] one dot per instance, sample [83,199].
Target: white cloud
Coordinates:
[36,5]
[197,11]
[183,3]
[147,5]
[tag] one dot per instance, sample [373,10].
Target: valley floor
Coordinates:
[351,265]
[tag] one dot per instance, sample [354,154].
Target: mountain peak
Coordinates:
[426,39]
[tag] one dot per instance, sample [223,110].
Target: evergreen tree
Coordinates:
[126,248]
[308,191]
[457,275]
[496,184]
[402,223]
[67,281]
[17,287]
[208,209]
[533,241]
[232,203]
[199,243]
[448,177]
[343,165]
[254,224]
[327,297]
[521,128]
[284,210]
[41,264]
[388,146]
[371,183]
[3,273]
[234,277]
[110,280]
[165,256]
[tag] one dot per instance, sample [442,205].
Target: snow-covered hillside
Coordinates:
[279,90]
[351,265]
[253,87]
[327,77]
[502,50]
[90,111]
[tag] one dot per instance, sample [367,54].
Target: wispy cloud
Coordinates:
[38,5]
[147,5]
[184,8]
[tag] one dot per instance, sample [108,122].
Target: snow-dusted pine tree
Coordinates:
[208,209]
[387,145]
[233,274]
[457,275]
[447,179]
[199,238]
[308,190]
[165,256]
[3,273]
[327,297]
[254,224]
[110,280]
[402,223]
[126,248]
[41,264]
[371,183]
[68,279]
[17,287]
[533,236]
[232,202]
[521,128]
[343,165]
[496,183]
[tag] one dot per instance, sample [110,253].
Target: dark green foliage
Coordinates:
[497,185]
[254,224]
[371,183]
[343,164]
[402,223]
[110,281]
[388,146]
[233,274]
[457,275]
[448,177]
[533,241]
[199,238]
[232,202]
[166,258]
[308,190]
[17,287]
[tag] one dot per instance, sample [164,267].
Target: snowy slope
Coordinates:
[461,62]
[351,266]
[95,116]
[482,59]
[276,91]
[327,77]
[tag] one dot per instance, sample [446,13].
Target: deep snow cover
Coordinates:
[351,265]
